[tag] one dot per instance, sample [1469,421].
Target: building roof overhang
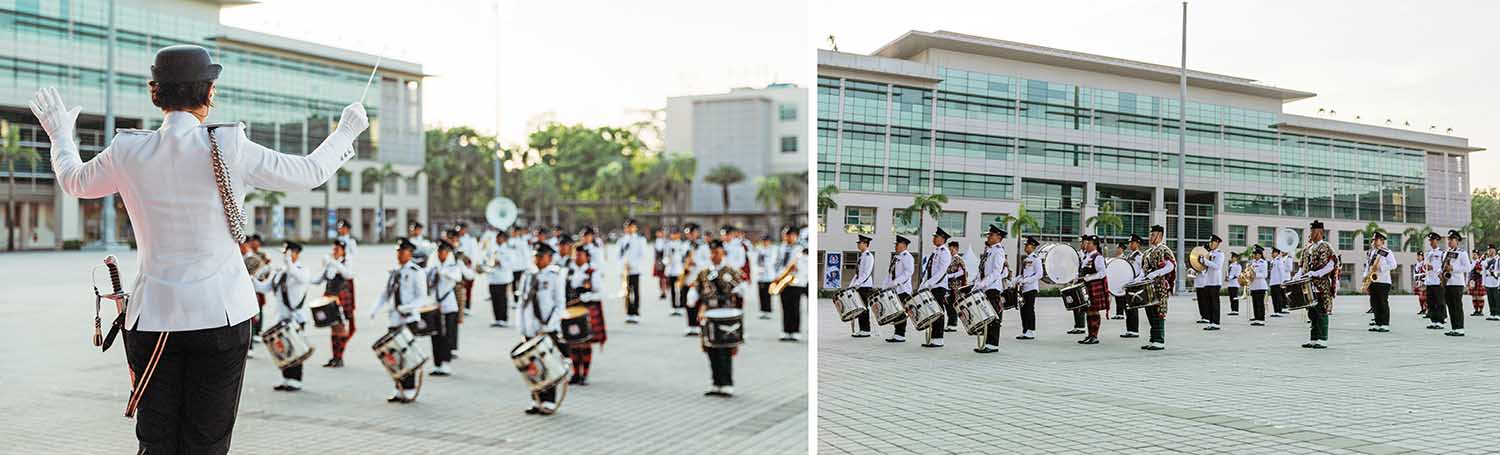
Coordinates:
[233,35]
[1375,132]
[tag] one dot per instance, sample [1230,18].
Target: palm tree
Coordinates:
[271,199]
[770,193]
[826,202]
[11,152]
[1368,233]
[1107,218]
[1411,240]
[380,174]
[724,175]
[923,204]
[667,178]
[1018,224]
[1474,230]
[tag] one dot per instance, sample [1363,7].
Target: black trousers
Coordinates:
[1028,311]
[500,302]
[765,296]
[547,395]
[1380,301]
[721,365]
[1258,305]
[444,340]
[633,285]
[193,397]
[901,325]
[1436,308]
[292,372]
[938,326]
[1078,319]
[950,307]
[1208,303]
[1158,324]
[1278,298]
[679,298]
[1234,299]
[1453,298]
[992,330]
[1493,295]
[1119,306]
[863,320]
[1132,317]
[791,308]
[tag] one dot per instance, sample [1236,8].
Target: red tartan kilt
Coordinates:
[596,321]
[1477,289]
[1098,291]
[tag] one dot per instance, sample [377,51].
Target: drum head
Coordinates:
[721,313]
[1059,263]
[526,346]
[577,312]
[1119,272]
[326,300]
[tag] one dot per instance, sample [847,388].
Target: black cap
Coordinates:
[342,223]
[1434,236]
[1234,254]
[941,233]
[1453,234]
[1491,247]
[789,229]
[578,249]
[253,237]
[338,243]
[728,228]
[689,228]
[1122,244]
[1158,228]
[1090,238]
[716,244]
[414,225]
[1379,235]
[1032,241]
[404,244]
[443,245]
[293,246]
[588,230]
[630,221]
[864,239]
[1259,250]
[564,238]
[902,240]
[1215,238]
[543,249]
[184,63]
[1317,224]
[1135,238]
[953,244]
[996,230]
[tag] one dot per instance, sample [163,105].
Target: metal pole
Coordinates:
[1182,159]
[499,170]
[107,237]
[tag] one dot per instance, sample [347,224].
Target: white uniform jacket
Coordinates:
[544,312]
[864,272]
[899,276]
[286,289]
[405,291]
[1384,264]
[1259,283]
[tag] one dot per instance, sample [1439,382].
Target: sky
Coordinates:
[595,62]
[1430,62]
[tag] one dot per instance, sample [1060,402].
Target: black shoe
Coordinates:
[1234,313]
[985,350]
[1152,347]
[1024,337]
[582,382]
[1453,333]
[930,345]
[1372,323]
[1476,313]
[1319,346]
[1275,315]
[1075,331]
[1116,317]
[1212,327]
[951,328]
[534,410]
[859,336]
[281,387]
[1129,335]
[1421,313]
[1309,345]
[394,399]
[1089,340]
[893,340]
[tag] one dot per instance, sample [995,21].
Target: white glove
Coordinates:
[55,117]
[353,119]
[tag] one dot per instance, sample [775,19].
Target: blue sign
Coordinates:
[833,270]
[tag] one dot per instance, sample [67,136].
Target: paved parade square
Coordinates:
[1242,389]
[645,394]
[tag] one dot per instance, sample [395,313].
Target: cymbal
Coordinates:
[1196,257]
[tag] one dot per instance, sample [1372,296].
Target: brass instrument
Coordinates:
[1371,270]
[1196,258]
[1247,275]
[785,279]
[1448,266]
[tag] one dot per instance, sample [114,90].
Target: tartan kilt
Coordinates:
[1098,291]
[1476,289]
[596,321]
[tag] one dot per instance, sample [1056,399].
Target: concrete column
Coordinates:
[1090,206]
[1158,207]
[304,222]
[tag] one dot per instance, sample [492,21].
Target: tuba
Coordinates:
[1247,275]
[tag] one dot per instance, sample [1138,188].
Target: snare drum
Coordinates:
[849,304]
[1059,263]
[1141,293]
[575,325]
[923,309]
[287,344]
[1119,272]
[723,327]
[886,307]
[431,322]
[398,353]
[975,311]
[1075,296]
[327,312]
[1299,293]
[540,362]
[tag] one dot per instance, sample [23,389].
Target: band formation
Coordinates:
[556,283]
[946,294]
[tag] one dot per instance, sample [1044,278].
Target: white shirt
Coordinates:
[1491,272]
[992,269]
[935,269]
[549,302]
[333,268]
[288,301]
[1384,265]
[1462,265]
[736,253]
[519,254]
[501,261]
[1135,258]
[677,251]
[446,275]
[864,272]
[191,273]
[790,254]
[1434,262]
[1213,271]
[635,252]
[350,245]
[900,274]
[765,263]
[405,291]
[1260,267]
[1099,265]
[1031,272]
[578,274]
[1233,275]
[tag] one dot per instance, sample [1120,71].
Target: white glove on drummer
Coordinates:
[55,117]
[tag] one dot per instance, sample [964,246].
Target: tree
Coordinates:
[1412,238]
[770,193]
[1368,233]
[458,168]
[1107,218]
[928,204]
[1485,207]
[380,174]
[724,175]
[1474,230]
[271,199]
[1017,225]
[825,201]
[11,152]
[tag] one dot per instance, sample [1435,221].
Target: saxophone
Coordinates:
[1448,266]
[1247,275]
[1372,271]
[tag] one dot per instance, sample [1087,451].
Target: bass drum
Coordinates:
[1059,263]
[1119,272]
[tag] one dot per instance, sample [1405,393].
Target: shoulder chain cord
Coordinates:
[232,213]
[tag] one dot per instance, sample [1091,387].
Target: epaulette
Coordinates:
[222,125]
[132,131]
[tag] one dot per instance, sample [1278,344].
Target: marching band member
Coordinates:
[165,178]
[1132,316]
[520,255]
[1208,282]
[1163,265]
[935,280]
[635,255]
[1453,298]
[958,278]
[287,286]
[500,277]
[1432,262]
[405,292]
[444,279]
[765,273]
[793,254]
[1258,286]
[1030,282]
[424,248]
[1320,263]
[338,281]
[993,272]
[706,293]
[588,239]
[541,314]
[1122,251]
[350,246]
[1096,282]
[1383,262]
[898,279]
[1278,268]
[1476,284]
[468,245]
[863,283]
[736,250]
[673,267]
[658,262]
[691,264]
[581,278]
[1491,273]
[1231,279]
[1418,280]
[263,262]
